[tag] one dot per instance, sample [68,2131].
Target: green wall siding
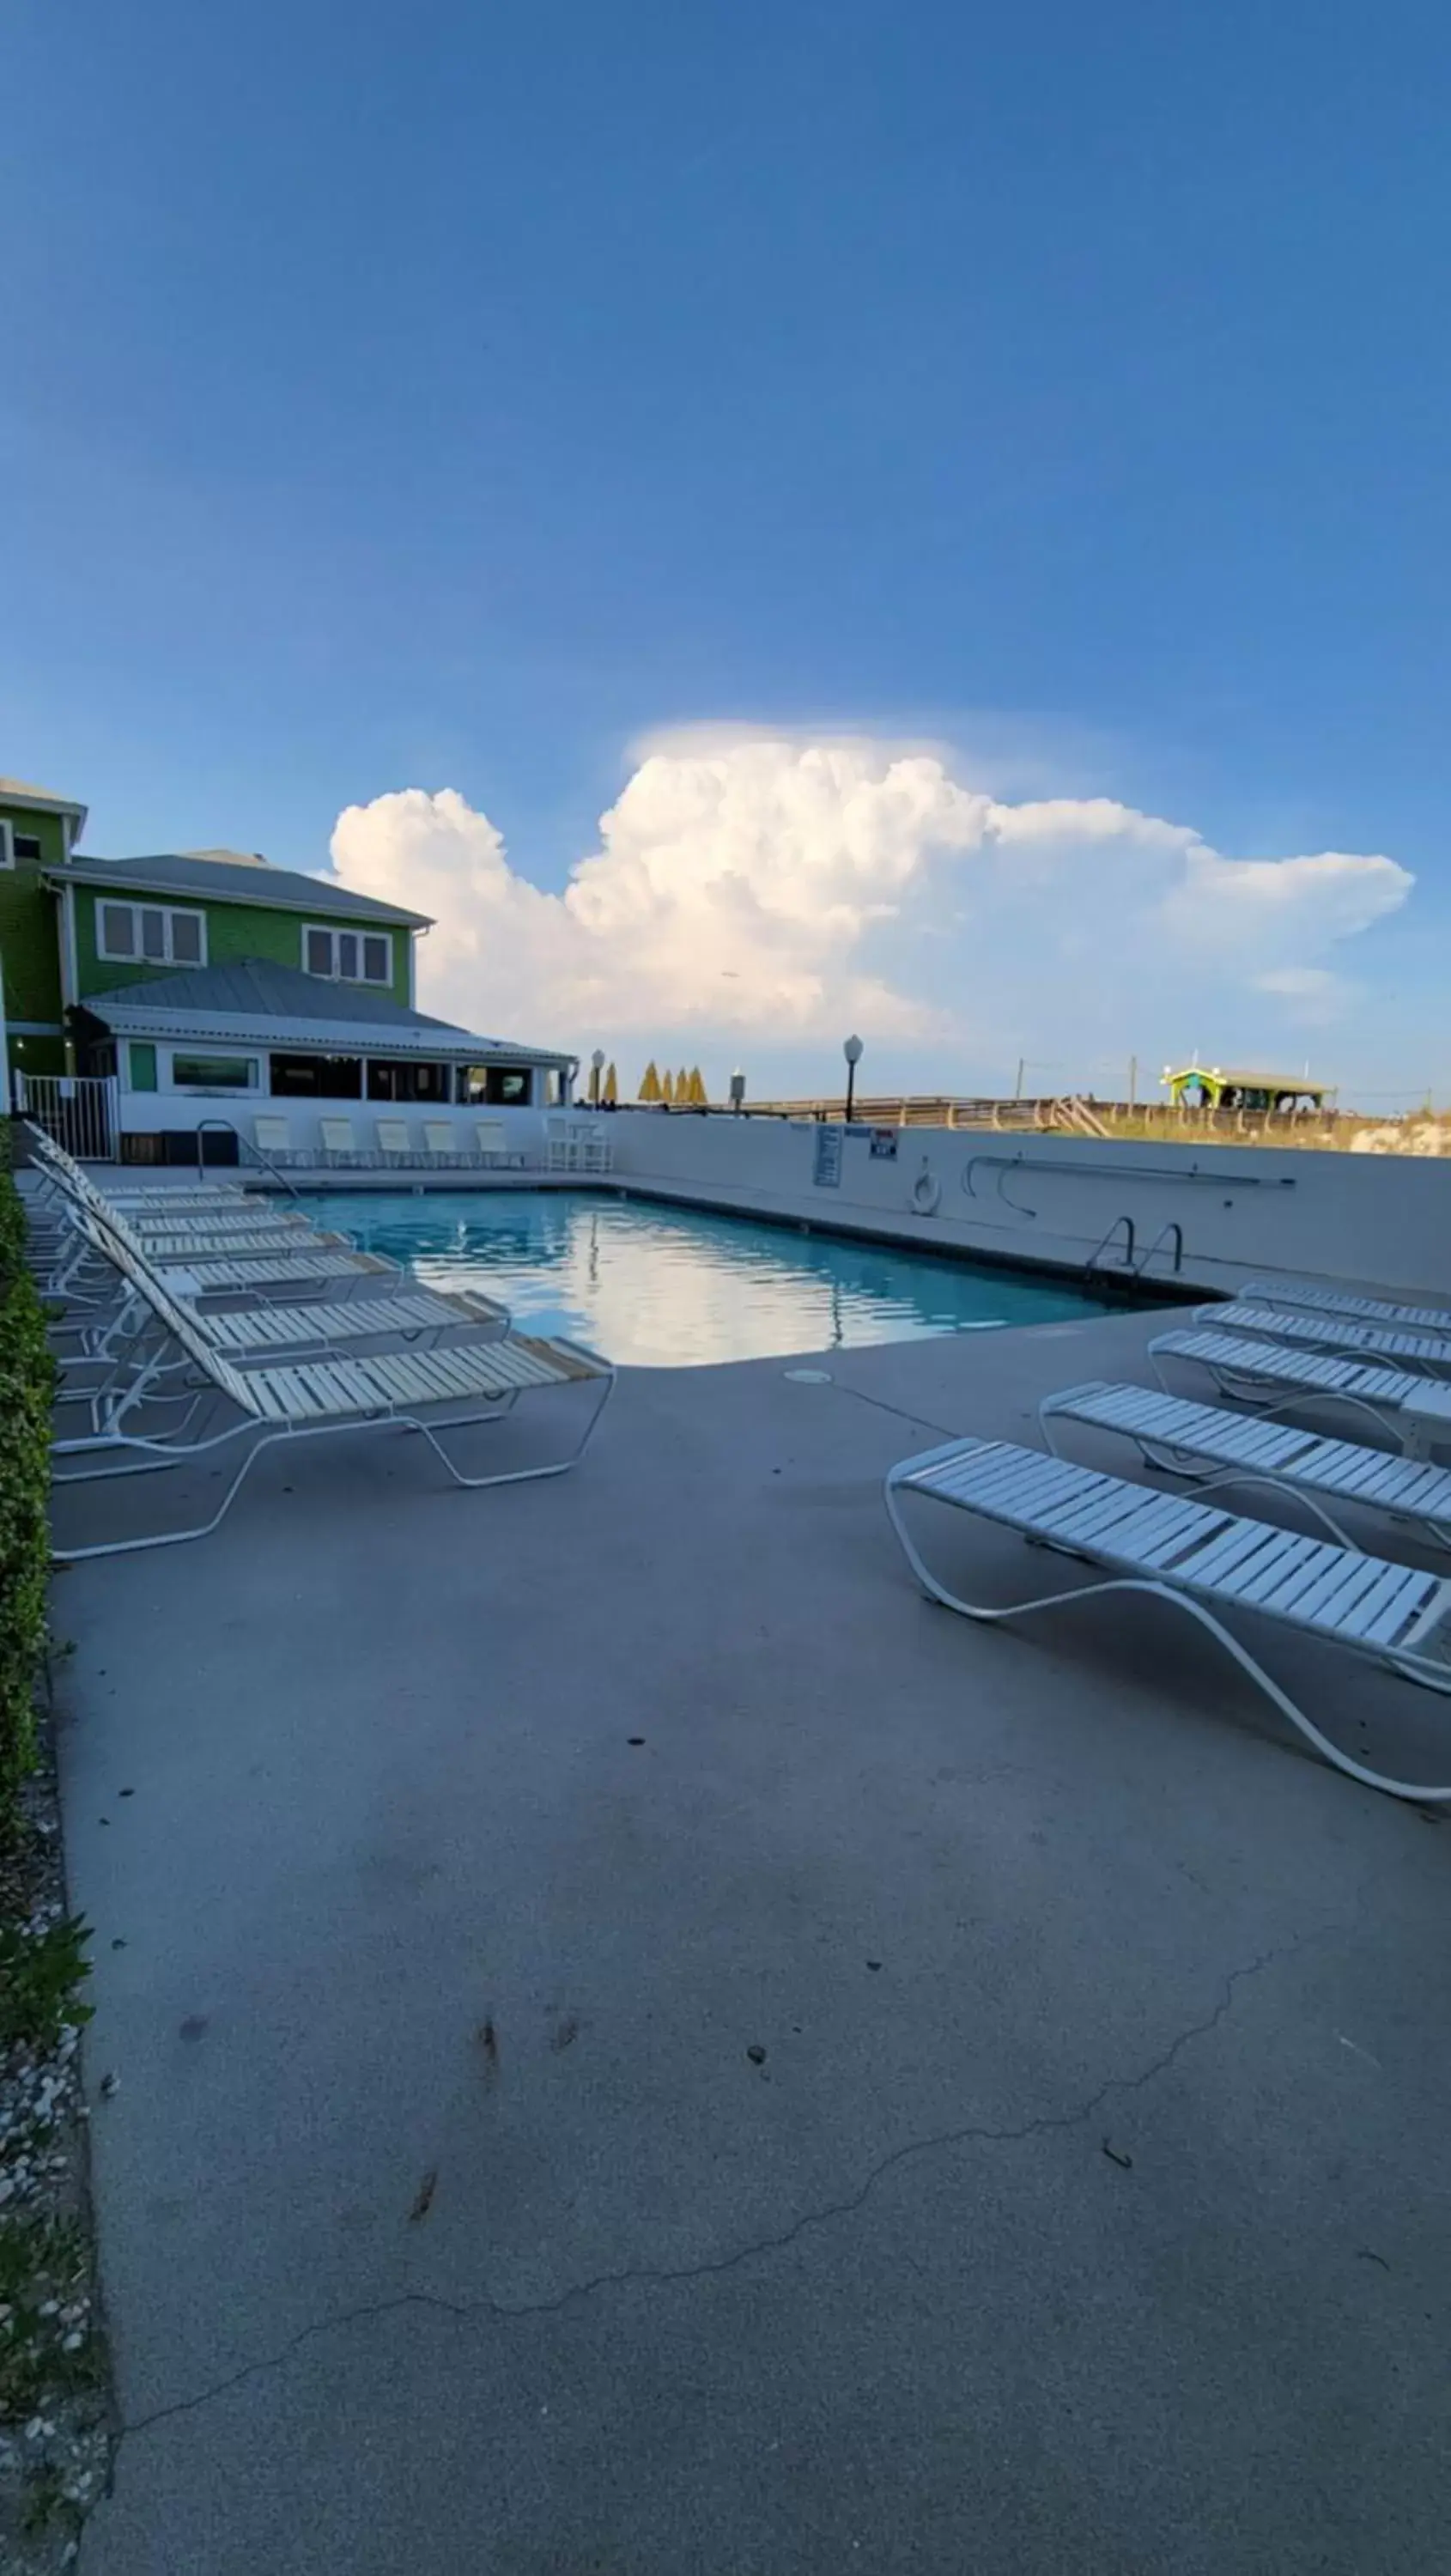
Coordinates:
[234,931]
[29,954]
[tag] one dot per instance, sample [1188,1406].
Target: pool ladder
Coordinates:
[1129,1268]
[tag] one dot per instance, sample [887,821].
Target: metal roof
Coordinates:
[1248,1081]
[234,880]
[257,1003]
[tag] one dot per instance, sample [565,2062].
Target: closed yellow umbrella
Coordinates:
[650,1087]
[699,1096]
[682,1088]
[612,1087]
[667,1088]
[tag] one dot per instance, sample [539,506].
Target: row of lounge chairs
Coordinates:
[205,1325]
[1280,1348]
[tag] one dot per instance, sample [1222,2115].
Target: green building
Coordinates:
[202,984]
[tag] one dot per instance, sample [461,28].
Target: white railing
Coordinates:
[77,1110]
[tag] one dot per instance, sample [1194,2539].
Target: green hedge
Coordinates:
[27,1377]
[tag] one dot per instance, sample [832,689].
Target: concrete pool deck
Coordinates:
[1086,2210]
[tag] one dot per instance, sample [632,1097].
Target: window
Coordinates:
[416,1082]
[501,1086]
[317,1077]
[214,1072]
[7,844]
[349,956]
[143,1065]
[150,934]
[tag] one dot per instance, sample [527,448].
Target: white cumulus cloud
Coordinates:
[777,890]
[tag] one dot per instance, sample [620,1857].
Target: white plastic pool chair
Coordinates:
[439,1140]
[85,1274]
[393,1145]
[1311,1330]
[1235,1449]
[1333,1301]
[338,1143]
[127,1358]
[273,1137]
[433,1392]
[1412,1410]
[492,1140]
[1202,1560]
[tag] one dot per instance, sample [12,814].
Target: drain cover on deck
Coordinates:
[808,1377]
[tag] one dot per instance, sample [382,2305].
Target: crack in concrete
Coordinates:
[666,2276]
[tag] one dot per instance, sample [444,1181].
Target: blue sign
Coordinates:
[826,1168]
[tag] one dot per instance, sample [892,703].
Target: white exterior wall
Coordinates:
[1366,1219]
[169,1111]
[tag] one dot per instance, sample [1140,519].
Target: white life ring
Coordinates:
[926,1191]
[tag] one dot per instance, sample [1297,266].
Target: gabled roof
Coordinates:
[42,800]
[233,880]
[256,1003]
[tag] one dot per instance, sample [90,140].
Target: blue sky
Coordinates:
[453,398]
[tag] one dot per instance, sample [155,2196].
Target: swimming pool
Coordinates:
[673,1287]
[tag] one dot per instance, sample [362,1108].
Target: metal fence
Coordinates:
[77,1110]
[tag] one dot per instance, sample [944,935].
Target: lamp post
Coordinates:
[596,1068]
[852,1051]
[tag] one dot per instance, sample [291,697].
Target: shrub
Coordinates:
[27,1377]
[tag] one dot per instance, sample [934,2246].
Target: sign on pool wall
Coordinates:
[826,1165]
[884,1144]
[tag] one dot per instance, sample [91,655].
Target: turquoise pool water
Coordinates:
[670,1287]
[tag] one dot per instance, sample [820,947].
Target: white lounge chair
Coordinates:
[1223,1449]
[338,1143]
[128,1355]
[1202,1559]
[1414,1411]
[1314,1331]
[273,1138]
[1332,1301]
[492,1139]
[393,1145]
[250,1217]
[59,1171]
[439,1140]
[72,1256]
[257,1243]
[412,1390]
[85,1269]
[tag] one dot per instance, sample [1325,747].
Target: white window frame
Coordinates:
[333,931]
[7,843]
[136,955]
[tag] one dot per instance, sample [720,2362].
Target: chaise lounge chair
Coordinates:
[1313,1331]
[1332,1301]
[1202,1560]
[410,1390]
[1221,1449]
[1412,1410]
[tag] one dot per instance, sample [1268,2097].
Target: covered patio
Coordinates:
[256,1045]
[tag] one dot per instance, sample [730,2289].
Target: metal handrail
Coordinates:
[1170,1227]
[243,1144]
[1003,1163]
[1092,1169]
[1128,1225]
